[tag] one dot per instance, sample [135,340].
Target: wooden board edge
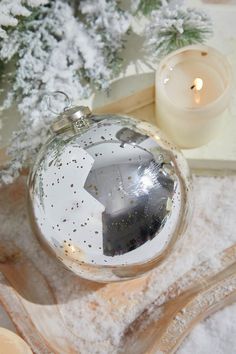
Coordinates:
[129,103]
[212,167]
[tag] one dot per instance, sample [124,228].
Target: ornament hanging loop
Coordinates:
[54,96]
[74,118]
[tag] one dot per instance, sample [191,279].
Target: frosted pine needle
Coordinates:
[146,6]
[11,10]
[172,27]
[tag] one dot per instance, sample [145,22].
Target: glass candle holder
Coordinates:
[193,91]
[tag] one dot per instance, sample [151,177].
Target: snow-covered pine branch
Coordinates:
[106,24]
[57,51]
[11,10]
[173,26]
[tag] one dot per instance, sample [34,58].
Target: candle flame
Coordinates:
[198,84]
[196,87]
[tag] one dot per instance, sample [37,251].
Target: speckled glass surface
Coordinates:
[110,200]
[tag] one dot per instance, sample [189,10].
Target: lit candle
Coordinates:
[11,343]
[193,90]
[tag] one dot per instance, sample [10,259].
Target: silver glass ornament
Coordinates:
[108,195]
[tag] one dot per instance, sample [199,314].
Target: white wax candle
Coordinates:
[11,343]
[193,87]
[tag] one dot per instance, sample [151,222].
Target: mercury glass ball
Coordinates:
[109,196]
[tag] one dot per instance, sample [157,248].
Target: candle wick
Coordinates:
[192,87]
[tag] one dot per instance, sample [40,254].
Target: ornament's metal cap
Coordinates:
[75,118]
[77,112]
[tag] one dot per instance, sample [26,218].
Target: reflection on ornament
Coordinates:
[109,197]
[72,252]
